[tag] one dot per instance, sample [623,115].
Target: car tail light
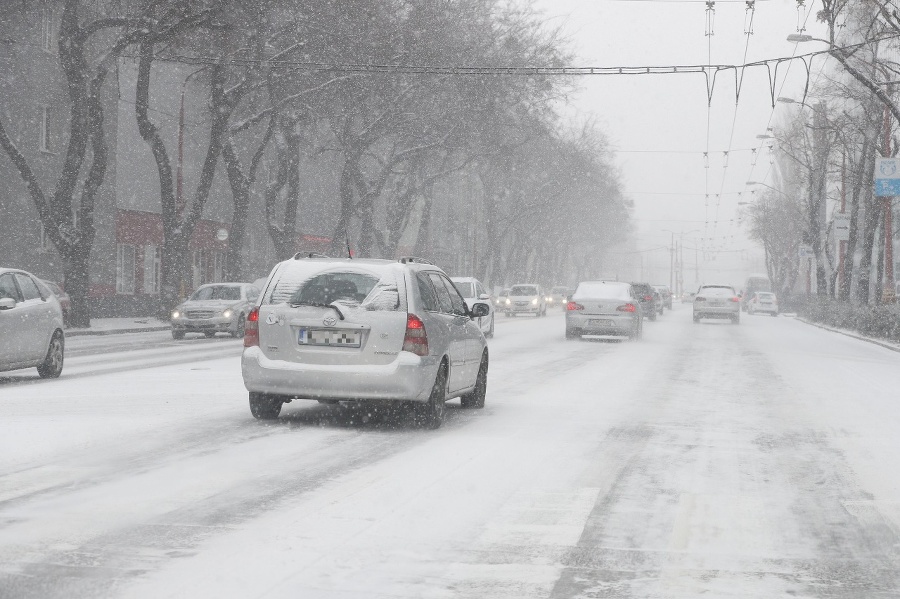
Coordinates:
[626,308]
[416,340]
[699,299]
[735,299]
[251,329]
[647,298]
[574,306]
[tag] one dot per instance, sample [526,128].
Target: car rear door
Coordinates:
[10,322]
[38,315]
[456,326]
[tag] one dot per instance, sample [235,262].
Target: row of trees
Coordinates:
[286,80]
[825,160]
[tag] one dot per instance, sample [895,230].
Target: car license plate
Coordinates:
[599,323]
[329,338]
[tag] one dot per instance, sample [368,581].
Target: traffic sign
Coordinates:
[842,226]
[887,176]
[805,251]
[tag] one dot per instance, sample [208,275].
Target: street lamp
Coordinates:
[801,37]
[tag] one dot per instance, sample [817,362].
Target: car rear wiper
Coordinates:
[320,305]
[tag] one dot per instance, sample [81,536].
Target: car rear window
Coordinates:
[523,290]
[618,291]
[306,283]
[718,291]
[766,296]
[467,290]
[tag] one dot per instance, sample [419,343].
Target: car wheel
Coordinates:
[239,331]
[209,334]
[475,399]
[774,314]
[52,365]
[652,315]
[490,333]
[696,318]
[177,334]
[264,406]
[736,319]
[431,413]
[572,334]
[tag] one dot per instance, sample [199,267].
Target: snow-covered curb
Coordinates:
[885,344]
[116,326]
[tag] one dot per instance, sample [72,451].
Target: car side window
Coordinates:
[29,289]
[479,290]
[252,294]
[429,299]
[8,288]
[456,300]
[442,294]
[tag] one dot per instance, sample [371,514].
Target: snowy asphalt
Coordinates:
[712,460]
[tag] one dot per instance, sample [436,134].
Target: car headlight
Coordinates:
[507,302]
[227,313]
[534,301]
[176,314]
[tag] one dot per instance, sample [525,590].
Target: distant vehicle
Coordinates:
[65,302]
[526,298]
[501,300]
[665,295]
[473,292]
[763,301]
[557,297]
[215,308]
[753,284]
[648,298]
[335,330]
[717,301]
[31,325]
[604,308]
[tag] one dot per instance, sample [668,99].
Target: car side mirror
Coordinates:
[479,310]
[7,303]
[484,296]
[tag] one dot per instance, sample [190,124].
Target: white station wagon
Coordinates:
[363,330]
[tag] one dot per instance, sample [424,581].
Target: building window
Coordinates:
[46,141]
[125,269]
[152,269]
[48,30]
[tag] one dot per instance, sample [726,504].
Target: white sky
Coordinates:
[659,122]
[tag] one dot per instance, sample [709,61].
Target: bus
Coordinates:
[754,283]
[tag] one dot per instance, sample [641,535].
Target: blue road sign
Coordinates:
[887,177]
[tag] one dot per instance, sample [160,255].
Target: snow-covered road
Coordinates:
[757,460]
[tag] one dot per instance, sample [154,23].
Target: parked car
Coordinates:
[604,308]
[31,325]
[526,298]
[717,301]
[763,301]
[364,330]
[215,308]
[665,295]
[473,292]
[648,299]
[558,297]
[65,302]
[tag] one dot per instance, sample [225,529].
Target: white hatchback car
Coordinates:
[526,298]
[717,301]
[364,330]
[31,324]
[763,301]
[473,291]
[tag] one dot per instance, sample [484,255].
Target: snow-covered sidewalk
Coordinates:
[885,343]
[113,326]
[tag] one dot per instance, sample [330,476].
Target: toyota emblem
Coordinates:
[329,321]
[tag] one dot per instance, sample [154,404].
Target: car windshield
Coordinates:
[523,290]
[466,289]
[217,292]
[558,291]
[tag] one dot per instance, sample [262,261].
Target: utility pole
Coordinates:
[887,292]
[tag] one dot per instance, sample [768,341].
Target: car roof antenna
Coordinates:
[349,253]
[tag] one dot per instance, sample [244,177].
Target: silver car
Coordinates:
[364,330]
[215,308]
[473,292]
[604,308]
[31,325]
[526,299]
[717,301]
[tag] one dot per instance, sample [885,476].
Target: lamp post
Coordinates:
[676,264]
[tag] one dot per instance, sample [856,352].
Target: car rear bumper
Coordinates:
[530,309]
[408,377]
[600,324]
[765,308]
[717,312]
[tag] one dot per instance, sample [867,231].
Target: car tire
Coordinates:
[490,333]
[475,399]
[652,315]
[431,413]
[239,330]
[572,334]
[774,314]
[736,319]
[264,406]
[209,334]
[52,365]
[696,318]
[177,334]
